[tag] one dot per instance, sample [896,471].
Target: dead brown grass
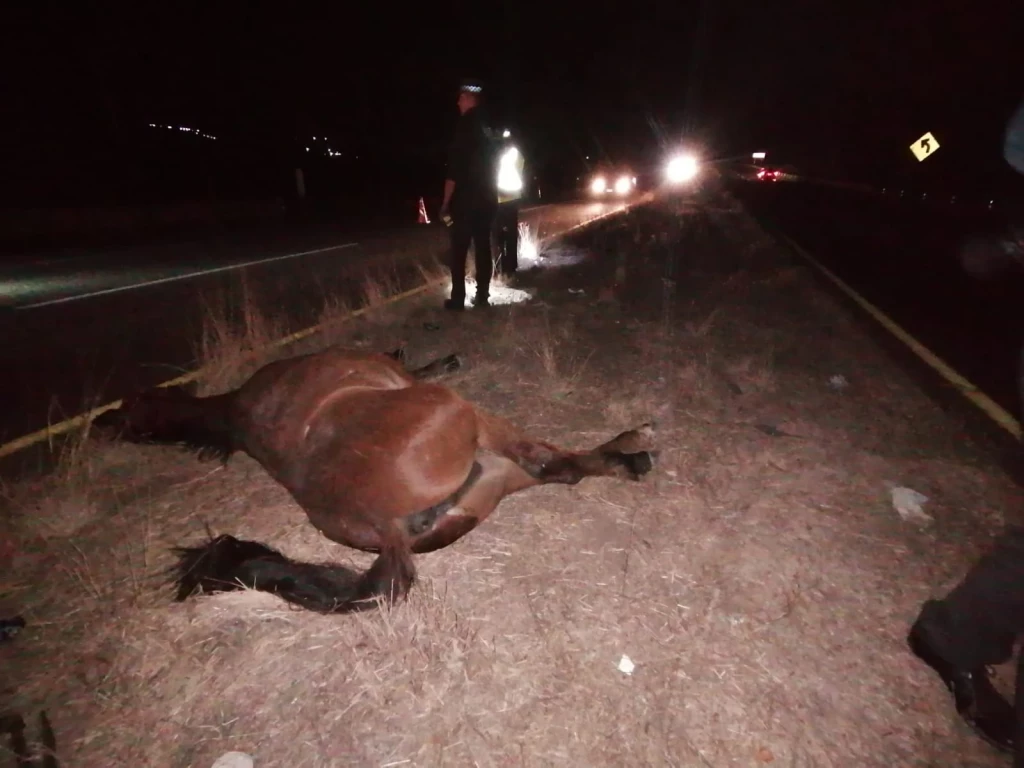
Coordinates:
[237,330]
[241,333]
[762,585]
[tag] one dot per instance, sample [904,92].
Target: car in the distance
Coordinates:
[767,174]
[613,182]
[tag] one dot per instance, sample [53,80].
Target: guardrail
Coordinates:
[900,193]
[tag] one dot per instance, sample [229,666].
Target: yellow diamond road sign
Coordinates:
[924,147]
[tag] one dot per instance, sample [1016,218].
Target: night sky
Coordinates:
[837,89]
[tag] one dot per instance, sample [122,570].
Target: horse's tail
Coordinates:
[226,563]
[174,417]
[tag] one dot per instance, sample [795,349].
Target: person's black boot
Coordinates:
[1018,706]
[977,702]
[455,305]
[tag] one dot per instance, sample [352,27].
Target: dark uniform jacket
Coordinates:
[472,164]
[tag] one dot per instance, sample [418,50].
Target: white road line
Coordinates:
[80,420]
[187,275]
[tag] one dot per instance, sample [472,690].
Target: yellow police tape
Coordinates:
[83,419]
[987,405]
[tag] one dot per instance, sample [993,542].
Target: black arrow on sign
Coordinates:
[927,144]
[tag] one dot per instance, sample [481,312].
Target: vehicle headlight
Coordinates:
[623,185]
[598,185]
[509,178]
[681,169]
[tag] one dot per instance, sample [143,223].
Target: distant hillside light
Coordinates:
[196,131]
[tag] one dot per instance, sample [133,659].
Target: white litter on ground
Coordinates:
[233,760]
[908,503]
[626,665]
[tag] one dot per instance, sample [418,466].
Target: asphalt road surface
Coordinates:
[82,330]
[905,258]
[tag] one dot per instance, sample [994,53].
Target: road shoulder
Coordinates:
[760,579]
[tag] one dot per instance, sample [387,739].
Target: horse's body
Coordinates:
[380,459]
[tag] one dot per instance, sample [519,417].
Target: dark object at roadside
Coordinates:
[10,627]
[14,726]
[772,431]
[976,700]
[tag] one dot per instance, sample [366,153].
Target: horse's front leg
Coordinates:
[438,368]
[434,369]
[629,455]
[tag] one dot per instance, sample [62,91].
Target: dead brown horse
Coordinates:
[382,459]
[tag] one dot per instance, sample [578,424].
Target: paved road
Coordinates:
[87,329]
[904,258]
[42,280]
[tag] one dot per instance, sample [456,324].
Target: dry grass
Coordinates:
[237,329]
[761,585]
[241,333]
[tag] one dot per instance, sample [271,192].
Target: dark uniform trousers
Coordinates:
[977,622]
[472,223]
[508,235]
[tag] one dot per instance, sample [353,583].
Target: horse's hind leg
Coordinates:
[499,477]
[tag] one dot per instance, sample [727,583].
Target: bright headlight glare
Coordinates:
[598,185]
[682,168]
[623,185]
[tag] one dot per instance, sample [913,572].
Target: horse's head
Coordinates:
[142,413]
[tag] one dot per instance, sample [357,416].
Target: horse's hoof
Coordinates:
[638,464]
[636,440]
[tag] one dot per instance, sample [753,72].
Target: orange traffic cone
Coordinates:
[423,213]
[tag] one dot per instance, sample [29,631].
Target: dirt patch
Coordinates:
[759,579]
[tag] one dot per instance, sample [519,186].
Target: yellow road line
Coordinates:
[987,405]
[83,419]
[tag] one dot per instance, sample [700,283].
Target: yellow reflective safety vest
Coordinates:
[511,166]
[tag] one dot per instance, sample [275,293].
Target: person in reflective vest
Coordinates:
[511,166]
